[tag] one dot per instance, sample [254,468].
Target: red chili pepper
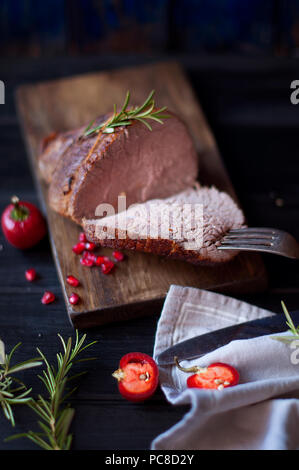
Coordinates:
[23,224]
[216,376]
[137,376]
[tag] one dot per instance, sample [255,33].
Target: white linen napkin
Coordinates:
[261,412]
[2,352]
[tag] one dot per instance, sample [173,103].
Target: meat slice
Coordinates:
[187,226]
[133,160]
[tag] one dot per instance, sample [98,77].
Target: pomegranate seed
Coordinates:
[107,267]
[48,297]
[72,281]
[91,256]
[86,262]
[101,260]
[89,246]
[78,248]
[82,237]
[74,298]
[30,274]
[118,255]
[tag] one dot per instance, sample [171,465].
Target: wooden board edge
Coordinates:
[162,62]
[125,312]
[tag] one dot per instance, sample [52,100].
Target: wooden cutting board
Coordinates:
[138,285]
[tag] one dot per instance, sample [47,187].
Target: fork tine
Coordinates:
[248,236]
[246,247]
[246,241]
[248,230]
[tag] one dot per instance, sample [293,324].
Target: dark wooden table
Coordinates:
[247,102]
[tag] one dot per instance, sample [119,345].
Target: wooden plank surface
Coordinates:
[143,280]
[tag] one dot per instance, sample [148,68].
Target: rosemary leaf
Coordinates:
[88,127]
[24,394]
[125,105]
[154,118]
[117,124]
[292,329]
[18,401]
[85,347]
[25,365]
[8,358]
[284,339]
[91,131]
[4,393]
[147,102]
[65,425]
[39,410]
[84,359]
[37,440]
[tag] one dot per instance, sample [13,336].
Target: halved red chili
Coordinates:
[137,376]
[216,376]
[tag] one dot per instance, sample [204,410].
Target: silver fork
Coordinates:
[268,240]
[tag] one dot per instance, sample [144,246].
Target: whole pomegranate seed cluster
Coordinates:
[89,259]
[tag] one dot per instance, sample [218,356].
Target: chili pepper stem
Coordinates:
[19,212]
[118,375]
[195,369]
[15,201]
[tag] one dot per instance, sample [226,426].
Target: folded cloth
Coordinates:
[261,412]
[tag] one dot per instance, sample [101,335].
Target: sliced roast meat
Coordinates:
[134,161]
[187,226]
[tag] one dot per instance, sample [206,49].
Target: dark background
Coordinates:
[50,27]
[240,57]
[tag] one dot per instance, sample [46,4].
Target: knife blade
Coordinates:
[200,345]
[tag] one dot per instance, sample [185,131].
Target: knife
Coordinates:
[203,344]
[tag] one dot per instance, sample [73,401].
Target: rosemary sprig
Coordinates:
[12,390]
[56,417]
[292,328]
[126,115]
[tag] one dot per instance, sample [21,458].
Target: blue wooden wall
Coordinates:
[39,27]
